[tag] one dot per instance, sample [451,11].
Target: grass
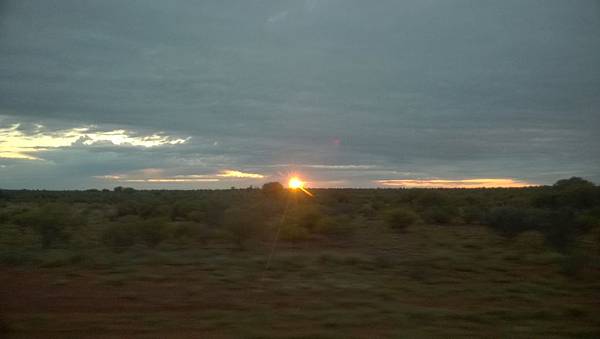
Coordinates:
[396,285]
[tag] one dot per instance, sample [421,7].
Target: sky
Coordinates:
[213,94]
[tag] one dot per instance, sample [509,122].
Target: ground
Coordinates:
[428,281]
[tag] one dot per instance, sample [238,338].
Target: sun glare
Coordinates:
[295,183]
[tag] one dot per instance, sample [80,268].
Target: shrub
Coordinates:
[186,231]
[152,232]
[473,214]
[368,211]
[243,224]
[120,236]
[50,221]
[572,182]
[208,212]
[586,222]
[126,208]
[510,221]
[440,214]
[273,189]
[429,198]
[335,226]
[294,232]
[574,193]
[305,216]
[400,218]
[13,236]
[560,229]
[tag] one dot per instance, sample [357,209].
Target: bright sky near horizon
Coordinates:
[345,93]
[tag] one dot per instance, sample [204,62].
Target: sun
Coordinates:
[295,183]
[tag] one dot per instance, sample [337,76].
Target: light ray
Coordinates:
[296,183]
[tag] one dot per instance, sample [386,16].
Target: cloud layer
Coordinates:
[346,93]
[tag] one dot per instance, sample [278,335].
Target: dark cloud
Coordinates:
[442,88]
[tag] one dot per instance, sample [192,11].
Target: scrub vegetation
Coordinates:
[365,263]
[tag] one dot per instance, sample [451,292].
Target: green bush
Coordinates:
[273,190]
[190,231]
[294,232]
[400,218]
[560,229]
[208,212]
[368,211]
[152,232]
[428,198]
[510,221]
[335,226]
[440,214]
[304,216]
[130,231]
[473,214]
[243,224]
[18,237]
[50,221]
[120,236]
[126,208]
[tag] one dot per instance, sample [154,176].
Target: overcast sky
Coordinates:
[212,94]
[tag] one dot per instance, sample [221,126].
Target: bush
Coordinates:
[273,189]
[367,211]
[293,232]
[305,216]
[190,231]
[335,226]
[152,232]
[126,208]
[473,214]
[14,236]
[208,212]
[243,224]
[127,233]
[400,218]
[429,198]
[560,229]
[50,221]
[120,236]
[575,193]
[440,214]
[572,182]
[510,221]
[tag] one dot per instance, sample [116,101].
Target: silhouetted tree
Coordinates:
[272,189]
[573,182]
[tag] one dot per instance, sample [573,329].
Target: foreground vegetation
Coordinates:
[348,263]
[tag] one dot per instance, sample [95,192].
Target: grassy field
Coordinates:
[425,279]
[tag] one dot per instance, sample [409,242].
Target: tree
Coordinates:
[272,189]
[573,182]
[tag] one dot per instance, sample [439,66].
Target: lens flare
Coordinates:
[295,183]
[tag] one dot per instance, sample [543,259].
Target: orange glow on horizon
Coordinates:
[458,183]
